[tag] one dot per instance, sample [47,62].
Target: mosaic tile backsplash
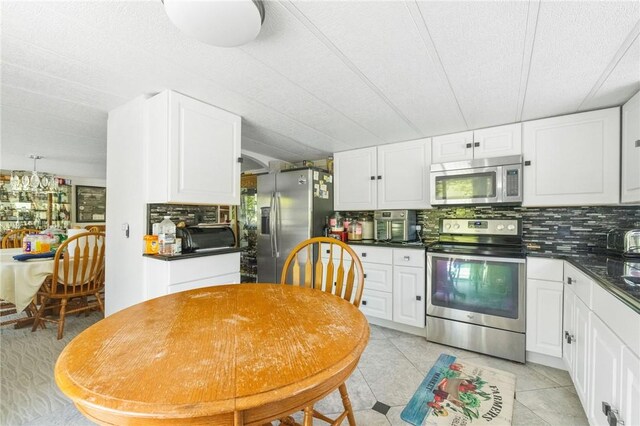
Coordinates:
[190,215]
[568,230]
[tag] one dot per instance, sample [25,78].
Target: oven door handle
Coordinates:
[448,256]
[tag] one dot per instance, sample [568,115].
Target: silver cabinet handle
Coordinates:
[571,280]
[407,258]
[638,143]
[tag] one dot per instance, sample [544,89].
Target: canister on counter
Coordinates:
[151,244]
[367,228]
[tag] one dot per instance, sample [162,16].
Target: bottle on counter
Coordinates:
[167,237]
[335,222]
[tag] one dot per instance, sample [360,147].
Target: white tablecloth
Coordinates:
[20,281]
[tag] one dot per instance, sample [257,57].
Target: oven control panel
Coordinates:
[480,226]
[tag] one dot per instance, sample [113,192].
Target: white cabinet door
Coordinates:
[604,385]
[544,317]
[572,160]
[193,151]
[454,147]
[568,335]
[377,276]
[376,304]
[497,141]
[629,388]
[631,151]
[582,353]
[408,295]
[355,180]
[403,169]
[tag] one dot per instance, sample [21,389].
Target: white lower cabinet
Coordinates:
[605,352]
[167,277]
[629,408]
[544,317]
[544,306]
[376,304]
[408,295]
[394,284]
[598,351]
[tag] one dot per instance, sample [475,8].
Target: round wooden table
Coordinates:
[241,354]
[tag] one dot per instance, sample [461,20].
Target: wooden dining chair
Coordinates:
[13,239]
[78,273]
[342,276]
[95,228]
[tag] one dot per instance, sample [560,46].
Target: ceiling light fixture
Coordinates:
[34,181]
[223,23]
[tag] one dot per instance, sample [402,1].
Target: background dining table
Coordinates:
[241,354]
[21,280]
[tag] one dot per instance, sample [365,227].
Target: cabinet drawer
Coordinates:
[374,254]
[378,277]
[233,278]
[408,257]
[198,268]
[545,269]
[376,304]
[580,283]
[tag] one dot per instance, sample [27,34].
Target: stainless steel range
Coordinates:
[476,287]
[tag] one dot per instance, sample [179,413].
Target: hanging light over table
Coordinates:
[34,181]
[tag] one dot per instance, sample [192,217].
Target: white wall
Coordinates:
[125,205]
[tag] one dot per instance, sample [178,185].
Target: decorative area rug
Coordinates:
[462,393]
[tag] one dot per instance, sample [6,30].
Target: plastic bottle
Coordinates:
[167,236]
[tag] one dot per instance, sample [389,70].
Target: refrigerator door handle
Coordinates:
[277,223]
[272,213]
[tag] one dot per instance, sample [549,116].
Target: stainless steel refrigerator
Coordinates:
[292,206]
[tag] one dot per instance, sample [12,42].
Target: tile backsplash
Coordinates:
[555,229]
[189,214]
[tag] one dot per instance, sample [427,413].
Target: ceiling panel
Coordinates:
[574,44]
[287,45]
[44,121]
[481,47]
[622,83]
[392,58]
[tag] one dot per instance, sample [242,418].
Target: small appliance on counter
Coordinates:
[625,242]
[197,239]
[395,226]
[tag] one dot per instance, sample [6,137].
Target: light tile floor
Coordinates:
[390,370]
[395,363]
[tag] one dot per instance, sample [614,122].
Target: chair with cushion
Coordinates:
[14,238]
[78,273]
[342,276]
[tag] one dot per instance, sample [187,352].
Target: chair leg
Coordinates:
[100,302]
[308,416]
[39,313]
[347,404]
[63,308]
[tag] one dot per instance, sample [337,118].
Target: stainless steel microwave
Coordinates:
[485,181]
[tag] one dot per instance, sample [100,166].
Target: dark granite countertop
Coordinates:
[413,245]
[619,276]
[193,255]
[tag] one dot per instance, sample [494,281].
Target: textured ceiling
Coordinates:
[321,76]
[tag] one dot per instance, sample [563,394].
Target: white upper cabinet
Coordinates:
[497,141]
[403,172]
[484,143]
[194,151]
[355,179]
[394,176]
[572,160]
[631,151]
[454,147]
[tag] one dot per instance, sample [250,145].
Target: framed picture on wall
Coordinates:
[91,204]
